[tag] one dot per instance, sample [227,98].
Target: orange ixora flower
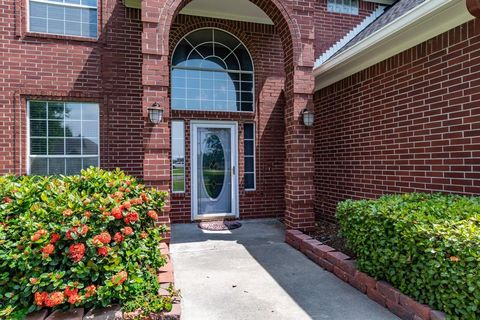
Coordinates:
[153,214]
[143,235]
[87,214]
[117,212]
[72,294]
[101,239]
[34,280]
[77,251]
[119,278]
[118,237]
[37,235]
[90,291]
[67,212]
[7,200]
[127,231]
[131,217]
[54,237]
[454,259]
[54,299]
[47,250]
[39,298]
[103,251]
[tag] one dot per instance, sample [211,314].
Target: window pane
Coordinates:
[249,164]
[55,128]
[248,147]
[56,12]
[73,128]
[73,111]
[38,166]
[56,166]
[38,10]
[248,129]
[38,25]
[55,110]
[73,166]
[90,146]
[56,146]
[178,156]
[38,128]
[249,181]
[73,28]
[38,110]
[249,154]
[73,14]
[90,129]
[90,111]
[74,146]
[38,146]
[90,162]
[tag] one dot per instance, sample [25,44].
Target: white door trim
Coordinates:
[233,126]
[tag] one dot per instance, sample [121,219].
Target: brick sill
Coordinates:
[345,268]
[59,37]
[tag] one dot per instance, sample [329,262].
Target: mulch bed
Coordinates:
[328,233]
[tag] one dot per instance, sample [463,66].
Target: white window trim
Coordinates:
[184,158]
[71,5]
[254,157]
[58,156]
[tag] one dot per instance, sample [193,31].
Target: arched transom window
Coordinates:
[212,71]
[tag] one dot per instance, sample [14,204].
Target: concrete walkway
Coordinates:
[251,273]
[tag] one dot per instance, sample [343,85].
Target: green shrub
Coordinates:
[87,240]
[426,245]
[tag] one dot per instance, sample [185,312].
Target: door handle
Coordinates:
[233,170]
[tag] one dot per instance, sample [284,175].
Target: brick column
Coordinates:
[155,81]
[299,139]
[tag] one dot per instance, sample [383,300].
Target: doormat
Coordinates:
[219,225]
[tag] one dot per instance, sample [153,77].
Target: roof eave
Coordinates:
[424,22]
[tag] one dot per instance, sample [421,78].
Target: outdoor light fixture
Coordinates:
[155,113]
[308,117]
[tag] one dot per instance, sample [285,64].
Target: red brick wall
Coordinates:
[107,71]
[268,198]
[409,123]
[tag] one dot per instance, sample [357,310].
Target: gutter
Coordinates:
[425,21]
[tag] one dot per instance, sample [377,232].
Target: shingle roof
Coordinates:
[395,11]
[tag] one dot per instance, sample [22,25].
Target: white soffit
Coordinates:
[238,10]
[424,22]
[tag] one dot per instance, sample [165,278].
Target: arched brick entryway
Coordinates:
[296,30]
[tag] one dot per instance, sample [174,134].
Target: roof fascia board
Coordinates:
[424,22]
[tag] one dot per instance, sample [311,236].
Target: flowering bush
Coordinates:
[86,240]
[426,245]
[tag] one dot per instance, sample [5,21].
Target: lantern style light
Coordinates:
[155,113]
[308,117]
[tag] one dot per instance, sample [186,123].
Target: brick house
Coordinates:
[394,87]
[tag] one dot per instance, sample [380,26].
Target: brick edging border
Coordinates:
[165,278]
[344,267]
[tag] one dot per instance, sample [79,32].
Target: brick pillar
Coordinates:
[299,139]
[155,81]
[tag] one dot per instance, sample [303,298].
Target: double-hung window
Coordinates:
[63,137]
[64,17]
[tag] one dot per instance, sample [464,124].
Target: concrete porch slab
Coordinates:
[251,273]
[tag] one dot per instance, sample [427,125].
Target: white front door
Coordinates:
[214,169]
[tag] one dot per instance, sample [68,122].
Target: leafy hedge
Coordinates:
[86,240]
[426,245]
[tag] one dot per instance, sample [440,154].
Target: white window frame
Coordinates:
[70,5]
[184,157]
[58,156]
[254,157]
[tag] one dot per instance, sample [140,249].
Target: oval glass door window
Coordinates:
[213,166]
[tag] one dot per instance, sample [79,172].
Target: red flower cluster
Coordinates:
[103,251]
[90,291]
[37,235]
[143,235]
[101,239]
[47,250]
[67,212]
[117,212]
[72,295]
[87,214]
[119,278]
[7,200]
[152,214]
[44,299]
[131,217]
[77,251]
[54,238]
[79,231]
[118,237]
[127,231]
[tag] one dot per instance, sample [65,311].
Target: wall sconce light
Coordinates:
[308,117]
[155,113]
